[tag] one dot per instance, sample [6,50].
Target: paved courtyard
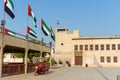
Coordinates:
[71,73]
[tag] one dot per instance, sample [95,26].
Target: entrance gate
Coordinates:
[78,58]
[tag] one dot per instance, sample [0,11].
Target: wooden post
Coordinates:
[25,60]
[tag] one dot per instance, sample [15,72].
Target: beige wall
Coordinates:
[66,39]
[91,57]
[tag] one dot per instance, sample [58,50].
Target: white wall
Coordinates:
[9,58]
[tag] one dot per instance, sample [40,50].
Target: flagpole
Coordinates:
[50,53]
[41,59]
[2,47]
[26,50]
[42,40]
[2,41]
[4,13]
[27,19]
[50,47]
[2,38]
[26,54]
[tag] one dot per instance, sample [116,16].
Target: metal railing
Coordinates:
[23,37]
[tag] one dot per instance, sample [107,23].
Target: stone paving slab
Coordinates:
[78,73]
[30,76]
[71,73]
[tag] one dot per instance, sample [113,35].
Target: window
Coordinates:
[108,59]
[86,47]
[113,47]
[96,47]
[91,47]
[102,59]
[118,46]
[102,47]
[61,44]
[115,60]
[12,56]
[107,47]
[81,47]
[60,30]
[76,47]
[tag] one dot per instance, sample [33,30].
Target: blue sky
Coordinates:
[91,17]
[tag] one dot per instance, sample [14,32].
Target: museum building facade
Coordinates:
[86,51]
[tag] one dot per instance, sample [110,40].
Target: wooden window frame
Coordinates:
[118,46]
[91,47]
[86,47]
[75,47]
[115,59]
[108,59]
[107,46]
[96,47]
[102,59]
[102,46]
[81,47]
[113,47]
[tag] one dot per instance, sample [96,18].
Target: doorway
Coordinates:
[78,60]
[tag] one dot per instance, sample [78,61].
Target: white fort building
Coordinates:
[86,51]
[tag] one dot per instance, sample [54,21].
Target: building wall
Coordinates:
[9,58]
[64,40]
[92,57]
[65,49]
[63,44]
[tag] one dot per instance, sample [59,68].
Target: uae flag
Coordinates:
[9,32]
[46,30]
[52,34]
[9,8]
[31,14]
[31,32]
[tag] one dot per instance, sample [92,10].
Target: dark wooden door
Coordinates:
[78,60]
